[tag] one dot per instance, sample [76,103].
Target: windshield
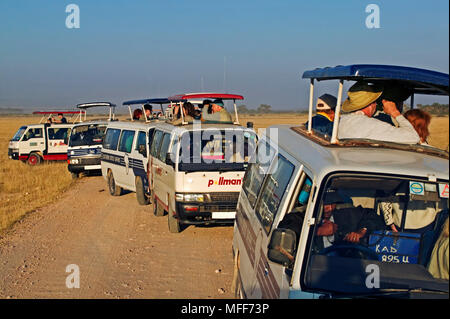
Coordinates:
[90,134]
[19,133]
[216,150]
[393,225]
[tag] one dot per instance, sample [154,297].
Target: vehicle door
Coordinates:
[246,223]
[270,280]
[138,158]
[125,149]
[164,171]
[154,148]
[57,139]
[33,140]
[111,158]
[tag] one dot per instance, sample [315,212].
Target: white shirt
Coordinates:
[359,125]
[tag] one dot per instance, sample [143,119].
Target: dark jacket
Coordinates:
[322,124]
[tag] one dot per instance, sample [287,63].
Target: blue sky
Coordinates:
[136,49]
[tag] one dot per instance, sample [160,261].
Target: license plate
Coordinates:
[223,215]
[93,167]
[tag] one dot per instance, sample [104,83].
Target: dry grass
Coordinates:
[24,188]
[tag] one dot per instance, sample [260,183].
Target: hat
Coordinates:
[360,95]
[326,102]
[218,102]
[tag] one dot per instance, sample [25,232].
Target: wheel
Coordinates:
[157,209]
[74,175]
[174,224]
[114,190]
[34,159]
[141,196]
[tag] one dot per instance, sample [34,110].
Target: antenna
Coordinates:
[225,74]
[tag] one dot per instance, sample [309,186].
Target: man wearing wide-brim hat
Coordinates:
[358,123]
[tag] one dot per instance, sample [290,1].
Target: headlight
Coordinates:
[190,197]
[73,161]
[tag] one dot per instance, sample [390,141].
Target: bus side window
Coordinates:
[273,191]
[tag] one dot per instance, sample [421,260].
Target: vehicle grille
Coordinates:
[228,197]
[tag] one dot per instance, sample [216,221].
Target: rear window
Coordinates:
[126,141]
[111,139]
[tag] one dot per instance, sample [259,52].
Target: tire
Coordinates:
[34,159]
[174,224]
[74,175]
[157,209]
[141,197]
[114,190]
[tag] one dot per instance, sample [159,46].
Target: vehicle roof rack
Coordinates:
[208,95]
[143,102]
[48,114]
[419,81]
[84,106]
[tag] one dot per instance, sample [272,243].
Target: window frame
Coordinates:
[263,187]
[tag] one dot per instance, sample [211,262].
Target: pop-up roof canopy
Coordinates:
[48,114]
[208,95]
[142,102]
[192,96]
[85,106]
[149,101]
[419,80]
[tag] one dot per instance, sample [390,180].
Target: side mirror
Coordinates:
[142,150]
[250,125]
[282,246]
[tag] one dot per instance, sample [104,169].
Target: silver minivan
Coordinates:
[315,218]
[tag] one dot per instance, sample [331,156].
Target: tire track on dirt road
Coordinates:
[121,248]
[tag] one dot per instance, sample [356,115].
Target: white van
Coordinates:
[85,142]
[124,158]
[191,179]
[343,219]
[38,142]
[125,151]
[197,167]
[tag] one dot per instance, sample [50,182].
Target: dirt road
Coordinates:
[122,251]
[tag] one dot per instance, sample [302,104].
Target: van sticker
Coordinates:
[443,190]
[416,188]
[225,181]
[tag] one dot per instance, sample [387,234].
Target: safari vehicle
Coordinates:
[197,168]
[313,216]
[86,138]
[35,143]
[124,154]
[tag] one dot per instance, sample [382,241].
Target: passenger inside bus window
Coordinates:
[294,219]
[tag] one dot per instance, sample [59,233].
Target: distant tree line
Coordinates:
[264,109]
[435,109]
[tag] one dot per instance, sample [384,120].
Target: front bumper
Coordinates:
[83,164]
[13,154]
[220,208]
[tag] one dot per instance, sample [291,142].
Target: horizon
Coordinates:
[123,50]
